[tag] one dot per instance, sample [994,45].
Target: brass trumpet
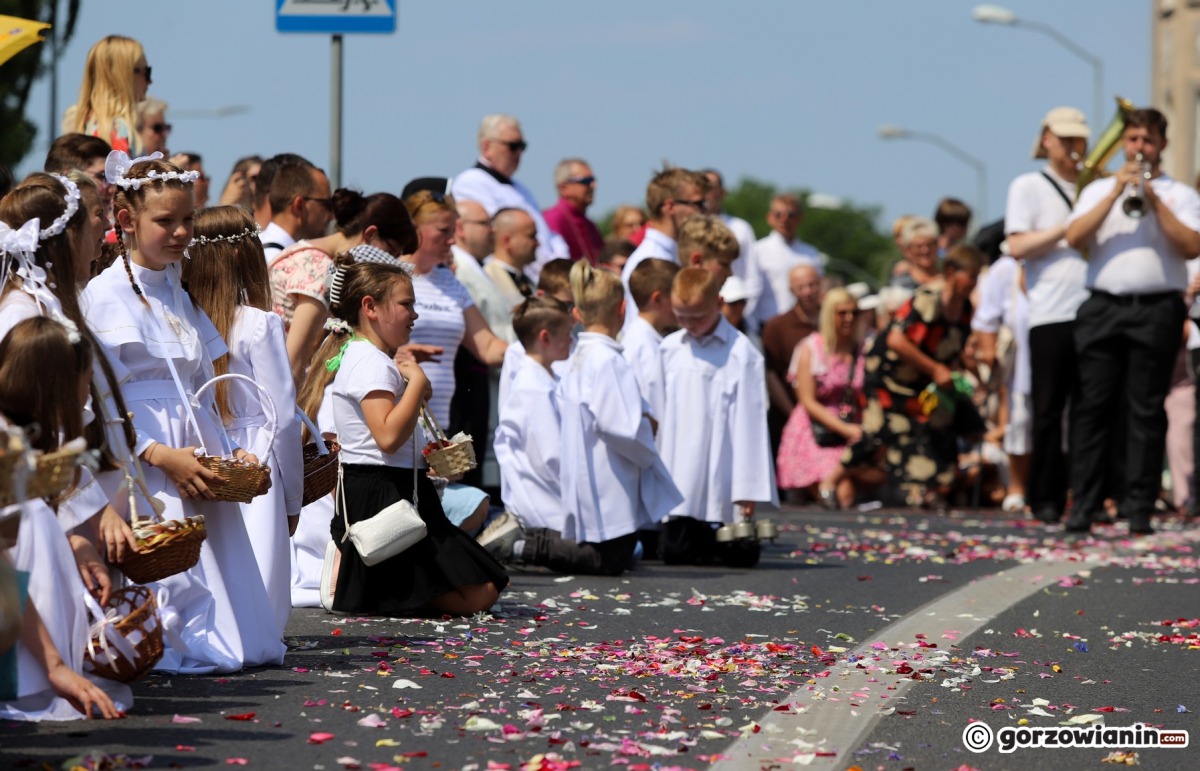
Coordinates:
[1104,148]
[1134,204]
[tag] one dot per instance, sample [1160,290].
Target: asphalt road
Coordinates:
[868,640]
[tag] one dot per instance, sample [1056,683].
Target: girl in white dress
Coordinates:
[145,319]
[51,227]
[613,481]
[227,277]
[375,406]
[45,374]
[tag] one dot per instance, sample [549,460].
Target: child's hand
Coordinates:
[746,509]
[416,377]
[82,693]
[184,471]
[293,523]
[116,535]
[91,569]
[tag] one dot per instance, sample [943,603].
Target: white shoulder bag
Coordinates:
[390,531]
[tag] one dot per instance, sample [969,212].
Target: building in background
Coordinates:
[1175,82]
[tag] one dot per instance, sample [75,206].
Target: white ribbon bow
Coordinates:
[118,164]
[20,240]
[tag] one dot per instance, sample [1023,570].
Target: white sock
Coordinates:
[518,549]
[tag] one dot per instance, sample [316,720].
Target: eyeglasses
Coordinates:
[589,180]
[697,204]
[161,128]
[846,313]
[518,146]
[143,71]
[326,202]
[785,214]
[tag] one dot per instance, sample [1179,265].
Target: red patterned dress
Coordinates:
[918,450]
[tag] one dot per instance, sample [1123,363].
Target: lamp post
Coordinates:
[895,132]
[995,14]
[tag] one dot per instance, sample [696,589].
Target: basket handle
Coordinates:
[313,431]
[268,404]
[431,422]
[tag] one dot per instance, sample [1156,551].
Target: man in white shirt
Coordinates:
[778,253]
[1127,333]
[673,195]
[745,267]
[515,237]
[1035,223]
[301,206]
[490,182]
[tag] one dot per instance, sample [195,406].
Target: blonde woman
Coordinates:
[115,78]
[827,374]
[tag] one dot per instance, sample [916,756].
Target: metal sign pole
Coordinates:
[335,115]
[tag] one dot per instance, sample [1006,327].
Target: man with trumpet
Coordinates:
[1035,224]
[1138,228]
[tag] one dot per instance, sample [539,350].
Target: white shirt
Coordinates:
[656,244]
[614,482]
[641,343]
[745,266]
[1129,256]
[1002,303]
[440,303]
[776,257]
[528,447]
[365,369]
[713,431]
[487,296]
[274,234]
[478,185]
[1055,280]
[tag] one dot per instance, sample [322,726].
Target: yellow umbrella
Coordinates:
[18,34]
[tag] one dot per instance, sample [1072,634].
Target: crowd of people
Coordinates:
[628,398]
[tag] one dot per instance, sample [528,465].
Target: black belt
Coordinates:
[1136,299]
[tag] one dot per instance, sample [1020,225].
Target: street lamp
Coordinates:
[995,14]
[887,131]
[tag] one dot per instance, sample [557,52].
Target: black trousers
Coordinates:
[1123,342]
[547,548]
[1054,372]
[1194,365]
[469,410]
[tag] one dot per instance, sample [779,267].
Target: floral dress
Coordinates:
[802,462]
[918,450]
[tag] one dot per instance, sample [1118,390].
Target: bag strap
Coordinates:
[1059,190]
[848,394]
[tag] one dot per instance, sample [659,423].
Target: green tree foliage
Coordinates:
[18,74]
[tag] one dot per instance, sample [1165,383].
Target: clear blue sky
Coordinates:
[788,92]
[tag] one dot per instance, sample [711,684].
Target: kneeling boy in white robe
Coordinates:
[722,463]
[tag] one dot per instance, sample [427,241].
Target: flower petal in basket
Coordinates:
[165,548]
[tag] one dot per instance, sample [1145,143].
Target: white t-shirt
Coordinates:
[655,244]
[776,258]
[364,369]
[1131,256]
[1055,280]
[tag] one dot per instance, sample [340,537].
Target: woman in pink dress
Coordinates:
[826,417]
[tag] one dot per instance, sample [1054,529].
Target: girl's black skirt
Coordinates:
[445,559]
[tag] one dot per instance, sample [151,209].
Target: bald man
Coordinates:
[515,238]
[780,336]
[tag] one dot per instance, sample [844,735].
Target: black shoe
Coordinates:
[1048,513]
[1139,524]
[1078,522]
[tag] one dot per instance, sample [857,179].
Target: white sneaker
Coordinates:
[1013,504]
[499,536]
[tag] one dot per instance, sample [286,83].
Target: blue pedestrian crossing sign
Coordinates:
[335,16]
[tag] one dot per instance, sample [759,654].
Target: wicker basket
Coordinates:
[125,640]
[451,459]
[54,472]
[320,463]
[165,548]
[242,481]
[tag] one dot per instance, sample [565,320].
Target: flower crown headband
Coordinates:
[71,199]
[118,164]
[247,233]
